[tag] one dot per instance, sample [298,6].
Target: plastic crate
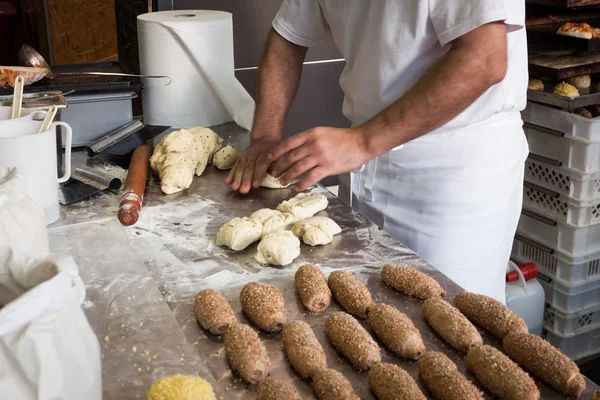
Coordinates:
[571,300]
[570,324]
[559,207]
[557,265]
[575,241]
[562,121]
[576,347]
[575,184]
[564,151]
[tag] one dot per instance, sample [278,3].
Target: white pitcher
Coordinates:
[34,155]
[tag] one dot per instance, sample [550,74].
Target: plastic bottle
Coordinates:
[525,295]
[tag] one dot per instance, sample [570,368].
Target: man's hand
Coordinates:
[250,169]
[319,152]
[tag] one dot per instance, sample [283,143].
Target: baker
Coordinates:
[436,151]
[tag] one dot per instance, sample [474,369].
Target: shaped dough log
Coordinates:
[489,314]
[451,324]
[330,384]
[411,281]
[396,331]
[276,389]
[315,231]
[246,354]
[352,340]
[312,288]
[302,348]
[273,220]
[443,380]
[390,382]
[304,205]
[500,375]
[350,293]
[225,158]
[544,360]
[239,233]
[263,304]
[213,311]
[278,248]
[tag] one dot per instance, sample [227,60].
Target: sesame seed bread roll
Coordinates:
[263,304]
[489,314]
[312,288]
[396,331]
[390,382]
[544,360]
[302,348]
[500,375]
[352,295]
[352,340]
[246,354]
[276,389]
[411,281]
[213,311]
[443,380]
[450,324]
[329,384]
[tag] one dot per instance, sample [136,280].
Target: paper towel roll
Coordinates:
[195,49]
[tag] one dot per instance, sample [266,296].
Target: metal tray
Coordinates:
[547,33]
[561,101]
[558,74]
[564,3]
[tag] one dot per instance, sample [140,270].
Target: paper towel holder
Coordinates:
[185,15]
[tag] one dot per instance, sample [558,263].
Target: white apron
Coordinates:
[454,198]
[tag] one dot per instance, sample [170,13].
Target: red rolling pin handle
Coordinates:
[135,185]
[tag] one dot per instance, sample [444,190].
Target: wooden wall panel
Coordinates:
[82,30]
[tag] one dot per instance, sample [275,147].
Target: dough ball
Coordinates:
[272,183]
[239,233]
[566,90]
[278,248]
[181,387]
[535,84]
[225,158]
[304,205]
[316,231]
[273,220]
[264,214]
[580,82]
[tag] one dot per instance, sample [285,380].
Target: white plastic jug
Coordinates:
[34,155]
[526,299]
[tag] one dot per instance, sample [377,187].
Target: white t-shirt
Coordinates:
[389,44]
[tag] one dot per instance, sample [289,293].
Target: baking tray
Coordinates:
[545,33]
[561,101]
[556,74]
[564,3]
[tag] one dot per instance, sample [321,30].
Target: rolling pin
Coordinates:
[135,184]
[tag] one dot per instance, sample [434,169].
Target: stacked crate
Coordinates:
[559,228]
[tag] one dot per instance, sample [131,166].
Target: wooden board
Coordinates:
[82,31]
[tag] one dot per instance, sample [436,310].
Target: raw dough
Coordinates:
[239,233]
[225,158]
[273,220]
[278,248]
[316,231]
[304,205]
[272,183]
[180,154]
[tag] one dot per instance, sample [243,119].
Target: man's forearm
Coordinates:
[278,79]
[447,89]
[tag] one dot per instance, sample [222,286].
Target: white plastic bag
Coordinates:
[22,222]
[47,348]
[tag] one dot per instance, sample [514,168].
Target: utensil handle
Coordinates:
[48,120]
[135,185]
[69,137]
[17,97]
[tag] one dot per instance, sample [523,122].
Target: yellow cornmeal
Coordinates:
[181,387]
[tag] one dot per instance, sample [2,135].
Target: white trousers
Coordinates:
[454,198]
